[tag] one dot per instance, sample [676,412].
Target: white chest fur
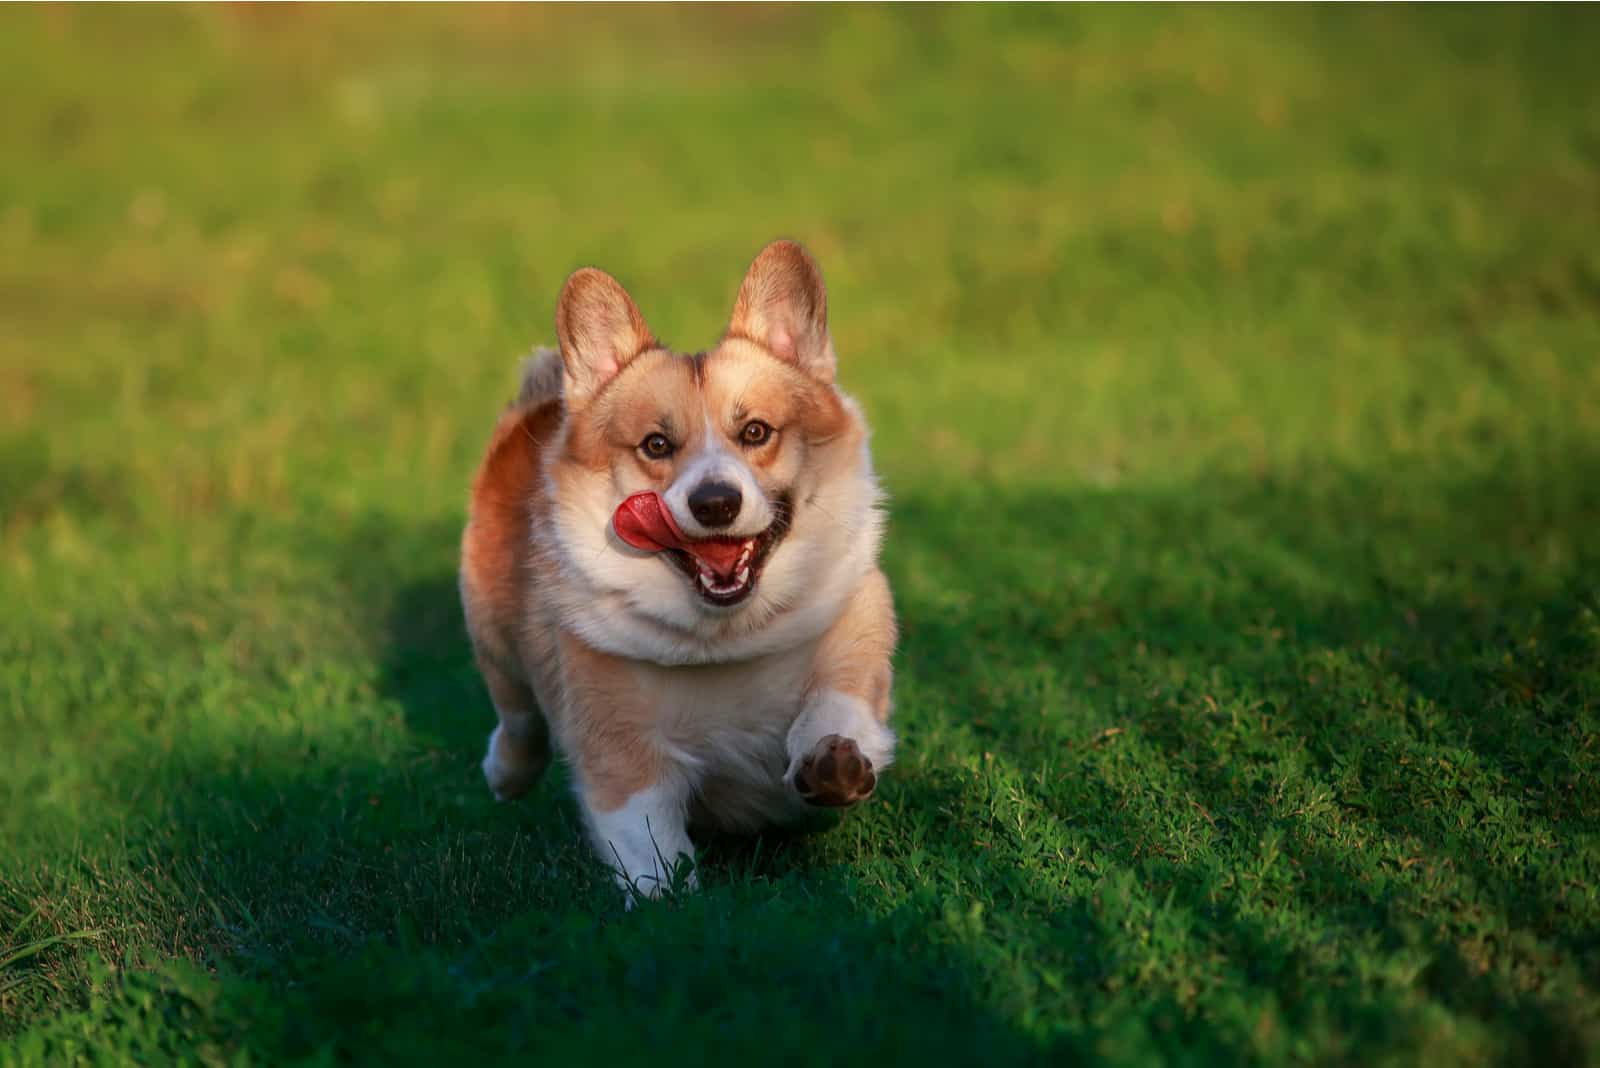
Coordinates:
[724,726]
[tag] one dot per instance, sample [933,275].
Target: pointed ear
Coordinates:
[783,306]
[600,330]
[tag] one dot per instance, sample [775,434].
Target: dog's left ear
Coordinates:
[783,306]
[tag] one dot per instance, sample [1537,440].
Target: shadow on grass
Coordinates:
[780,940]
[1221,773]
[1375,688]
[1358,722]
[1367,678]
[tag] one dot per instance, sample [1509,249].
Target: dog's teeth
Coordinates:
[713,583]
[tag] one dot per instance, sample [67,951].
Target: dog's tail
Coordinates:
[541,379]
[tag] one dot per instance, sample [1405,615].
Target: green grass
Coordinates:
[1236,377]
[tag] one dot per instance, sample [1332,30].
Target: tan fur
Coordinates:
[853,657]
[600,329]
[627,408]
[567,452]
[608,724]
[783,306]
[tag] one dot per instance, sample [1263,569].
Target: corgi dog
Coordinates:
[669,572]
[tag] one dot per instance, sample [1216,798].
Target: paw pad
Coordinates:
[835,774]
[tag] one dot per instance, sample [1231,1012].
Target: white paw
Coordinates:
[510,774]
[683,880]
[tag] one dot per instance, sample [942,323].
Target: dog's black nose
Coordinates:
[715,504]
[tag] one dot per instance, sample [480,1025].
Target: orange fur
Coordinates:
[495,549]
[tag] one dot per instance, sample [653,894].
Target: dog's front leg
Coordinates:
[841,740]
[634,797]
[644,839]
[836,749]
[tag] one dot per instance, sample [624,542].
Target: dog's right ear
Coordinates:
[600,330]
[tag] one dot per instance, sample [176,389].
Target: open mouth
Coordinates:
[724,571]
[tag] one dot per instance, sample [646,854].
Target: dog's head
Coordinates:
[757,464]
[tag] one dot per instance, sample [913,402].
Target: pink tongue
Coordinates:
[644,522]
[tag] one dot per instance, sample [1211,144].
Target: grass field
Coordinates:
[1236,378]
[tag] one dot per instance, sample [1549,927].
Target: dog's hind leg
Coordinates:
[519,748]
[494,563]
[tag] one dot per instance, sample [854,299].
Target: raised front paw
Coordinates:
[835,773]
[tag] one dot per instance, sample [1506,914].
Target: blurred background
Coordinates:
[1233,374]
[255,255]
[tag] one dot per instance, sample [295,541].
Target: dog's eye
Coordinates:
[656,446]
[755,432]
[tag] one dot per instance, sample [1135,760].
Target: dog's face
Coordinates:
[759,460]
